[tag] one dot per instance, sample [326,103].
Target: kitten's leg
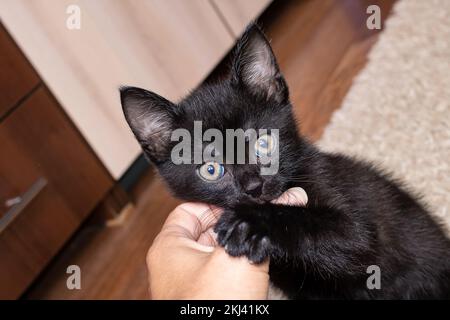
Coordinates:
[327,238]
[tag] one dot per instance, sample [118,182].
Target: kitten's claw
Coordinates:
[240,238]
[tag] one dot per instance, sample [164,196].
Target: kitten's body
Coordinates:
[356,216]
[374,223]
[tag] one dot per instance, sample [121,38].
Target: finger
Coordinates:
[293,197]
[190,220]
[208,238]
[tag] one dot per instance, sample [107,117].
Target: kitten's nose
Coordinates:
[253,187]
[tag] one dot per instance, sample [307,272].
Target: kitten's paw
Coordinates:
[243,238]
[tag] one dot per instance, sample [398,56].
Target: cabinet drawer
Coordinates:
[42,132]
[28,242]
[17,77]
[49,182]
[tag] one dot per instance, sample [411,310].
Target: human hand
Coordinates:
[185,263]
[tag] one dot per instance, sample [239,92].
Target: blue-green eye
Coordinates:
[265,145]
[211,171]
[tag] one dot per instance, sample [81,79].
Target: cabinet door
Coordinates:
[166,46]
[17,77]
[49,182]
[239,13]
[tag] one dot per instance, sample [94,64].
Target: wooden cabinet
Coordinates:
[50,179]
[166,46]
[56,166]
[16,75]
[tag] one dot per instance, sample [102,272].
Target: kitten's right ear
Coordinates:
[255,66]
[151,118]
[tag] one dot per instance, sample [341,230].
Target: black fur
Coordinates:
[356,216]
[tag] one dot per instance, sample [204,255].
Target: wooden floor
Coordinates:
[321,45]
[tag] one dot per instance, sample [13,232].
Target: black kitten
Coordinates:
[356,216]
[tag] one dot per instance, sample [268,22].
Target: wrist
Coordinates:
[236,277]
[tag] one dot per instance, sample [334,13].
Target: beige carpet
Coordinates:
[397,112]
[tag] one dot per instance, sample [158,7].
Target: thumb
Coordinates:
[293,197]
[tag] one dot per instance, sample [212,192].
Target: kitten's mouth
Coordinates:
[266,198]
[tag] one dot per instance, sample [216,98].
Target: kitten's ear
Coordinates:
[255,66]
[151,118]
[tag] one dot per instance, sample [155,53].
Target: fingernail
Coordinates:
[294,196]
[300,195]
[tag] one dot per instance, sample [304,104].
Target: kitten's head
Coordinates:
[254,96]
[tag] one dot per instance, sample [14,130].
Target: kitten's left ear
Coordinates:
[151,118]
[256,68]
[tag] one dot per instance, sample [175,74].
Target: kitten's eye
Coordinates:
[264,145]
[211,171]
